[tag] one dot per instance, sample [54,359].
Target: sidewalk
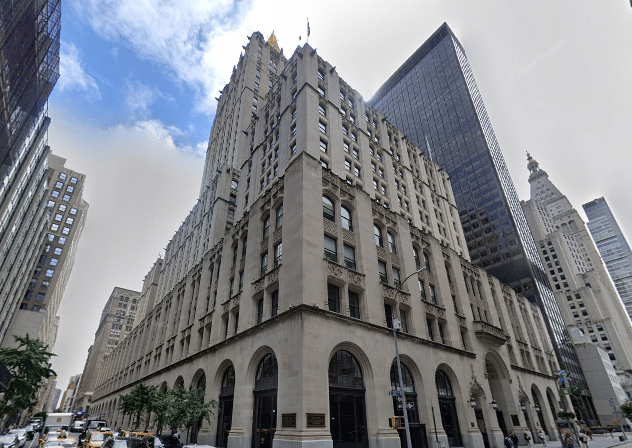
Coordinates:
[599,441]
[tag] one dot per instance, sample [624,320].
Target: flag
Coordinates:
[307,27]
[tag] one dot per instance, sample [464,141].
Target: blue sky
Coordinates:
[135,102]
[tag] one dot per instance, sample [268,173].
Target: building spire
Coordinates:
[532,164]
[272,41]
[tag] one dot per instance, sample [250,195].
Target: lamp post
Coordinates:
[616,412]
[396,326]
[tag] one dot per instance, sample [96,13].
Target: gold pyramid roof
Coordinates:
[272,41]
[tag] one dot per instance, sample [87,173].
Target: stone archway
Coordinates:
[501,392]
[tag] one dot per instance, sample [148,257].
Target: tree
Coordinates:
[160,409]
[138,402]
[187,408]
[29,365]
[626,409]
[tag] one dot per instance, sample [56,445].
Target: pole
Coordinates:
[616,413]
[401,387]
[434,423]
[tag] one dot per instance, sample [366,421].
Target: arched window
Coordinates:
[345,217]
[266,227]
[267,373]
[344,371]
[444,388]
[407,378]
[416,256]
[228,381]
[391,243]
[328,209]
[279,217]
[378,236]
[447,270]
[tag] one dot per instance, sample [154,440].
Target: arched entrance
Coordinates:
[199,384]
[417,430]
[225,411]
[500,387]
[447,408]
[265,410]
[347,411]
[538,410]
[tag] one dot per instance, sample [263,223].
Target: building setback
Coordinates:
[584,292]
[278,292]
[613,247]
[67,211]
[115,324]
[29,56]
[433,98]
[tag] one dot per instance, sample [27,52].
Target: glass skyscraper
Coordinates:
[613,247]
[434,99]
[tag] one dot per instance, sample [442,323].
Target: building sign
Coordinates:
[515,421]
[315,420]
[288,420]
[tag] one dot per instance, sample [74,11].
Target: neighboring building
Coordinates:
[582,286]
[37,315]
[46,395]
[281,305]
[613,247]
[68,397]
[433,98]
[601,376]
[115,324]
[29,57]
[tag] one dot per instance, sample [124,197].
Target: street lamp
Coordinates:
[494,405]
[523,407]
[472,403]
[396,326]
[537,408]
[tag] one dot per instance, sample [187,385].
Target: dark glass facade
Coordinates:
[434,99]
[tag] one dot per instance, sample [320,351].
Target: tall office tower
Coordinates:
[613,247]
[67,210]
[67,399]
[317,225]
[583,289]
[29,57]
[46,394]
[433,98]
[115,324]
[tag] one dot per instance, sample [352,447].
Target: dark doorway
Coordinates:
[501,422]
[225,411]
[482,427]
[447,409]
[195,429]
[265,409]
[418,436]
[347,410]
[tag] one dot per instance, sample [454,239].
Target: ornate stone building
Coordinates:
[317,224]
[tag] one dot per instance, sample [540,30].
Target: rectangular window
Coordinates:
[356,169]
[430,330]
[62,240]
[323,146]
[381,267]
[278,250]
[388,314]
[433,294]
[349,253]
[54,227]
[396,279]
[422,290]
[62,176]
[403,318]
[70,188]
[333,298]
[73,180]
[259,311]
[322,110]
[66,197]
[354,305]
[274,309]
[322,127]
[354,137]
[441,333]
[321,91]
[331,252]
[294,130]
[347,165]
[264,264]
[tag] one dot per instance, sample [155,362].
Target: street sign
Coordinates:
[395,393]
[409,406]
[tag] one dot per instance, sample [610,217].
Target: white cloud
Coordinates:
[72,75]
[139,96]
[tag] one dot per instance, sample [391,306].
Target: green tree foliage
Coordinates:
[626,409]
[138,402]
[29,365]
[160,409]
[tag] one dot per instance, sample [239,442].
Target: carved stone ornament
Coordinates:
[334,270]
[388,292]
[273,277]
[355,279]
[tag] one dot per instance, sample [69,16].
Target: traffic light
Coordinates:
[396,422]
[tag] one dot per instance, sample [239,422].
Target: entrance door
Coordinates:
[480,421]
[348,420]
[501,422]
[224,421]
[450,422]
[264,420]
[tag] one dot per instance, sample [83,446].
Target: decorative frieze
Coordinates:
[330,227]
[489,333]
[348,237]
[435,310]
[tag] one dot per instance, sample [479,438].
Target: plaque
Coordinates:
[315,420]
[514,420]
[288,420]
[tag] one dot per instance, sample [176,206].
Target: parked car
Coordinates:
[68,442]
[95,439]
[78,426]
[21,433]
[162,441]
[30,431]
[9,441]
[125,442]
[91,425]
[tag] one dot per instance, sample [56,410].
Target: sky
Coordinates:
[135,103]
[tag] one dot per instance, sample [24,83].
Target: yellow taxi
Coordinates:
[95,439]
[57,439]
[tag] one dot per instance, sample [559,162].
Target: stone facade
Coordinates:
[277,294]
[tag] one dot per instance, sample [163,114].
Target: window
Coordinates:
[274,308]
[331,252]
[279,216]
[66,197]
[396,279]
[357,170]
[278,251]
[73,180]
[323,146]
[62,176]
[58,216]
[235,251]
[403,318]
[70,220]
[321,91]
[54,227]
[433,294]
[59,185]
[354,137]
[260,310]
[50,272]
[322,127]
[354,305]
[55,193]
[293,149]
[388,313]
[322,110]
[347,165]
[50,204]
[391,243]
[429,323]
[264,264]
[70,188]
[381,267]
[328,209]
[416,256]
[333,298]
[356,154]
[349,253]
[345,217]
[321,75]
[62,240]
[345,130]
[422,290]
[54,261]
[378,236]
[427,262]
[294,130]
[266,227]
[244,246]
